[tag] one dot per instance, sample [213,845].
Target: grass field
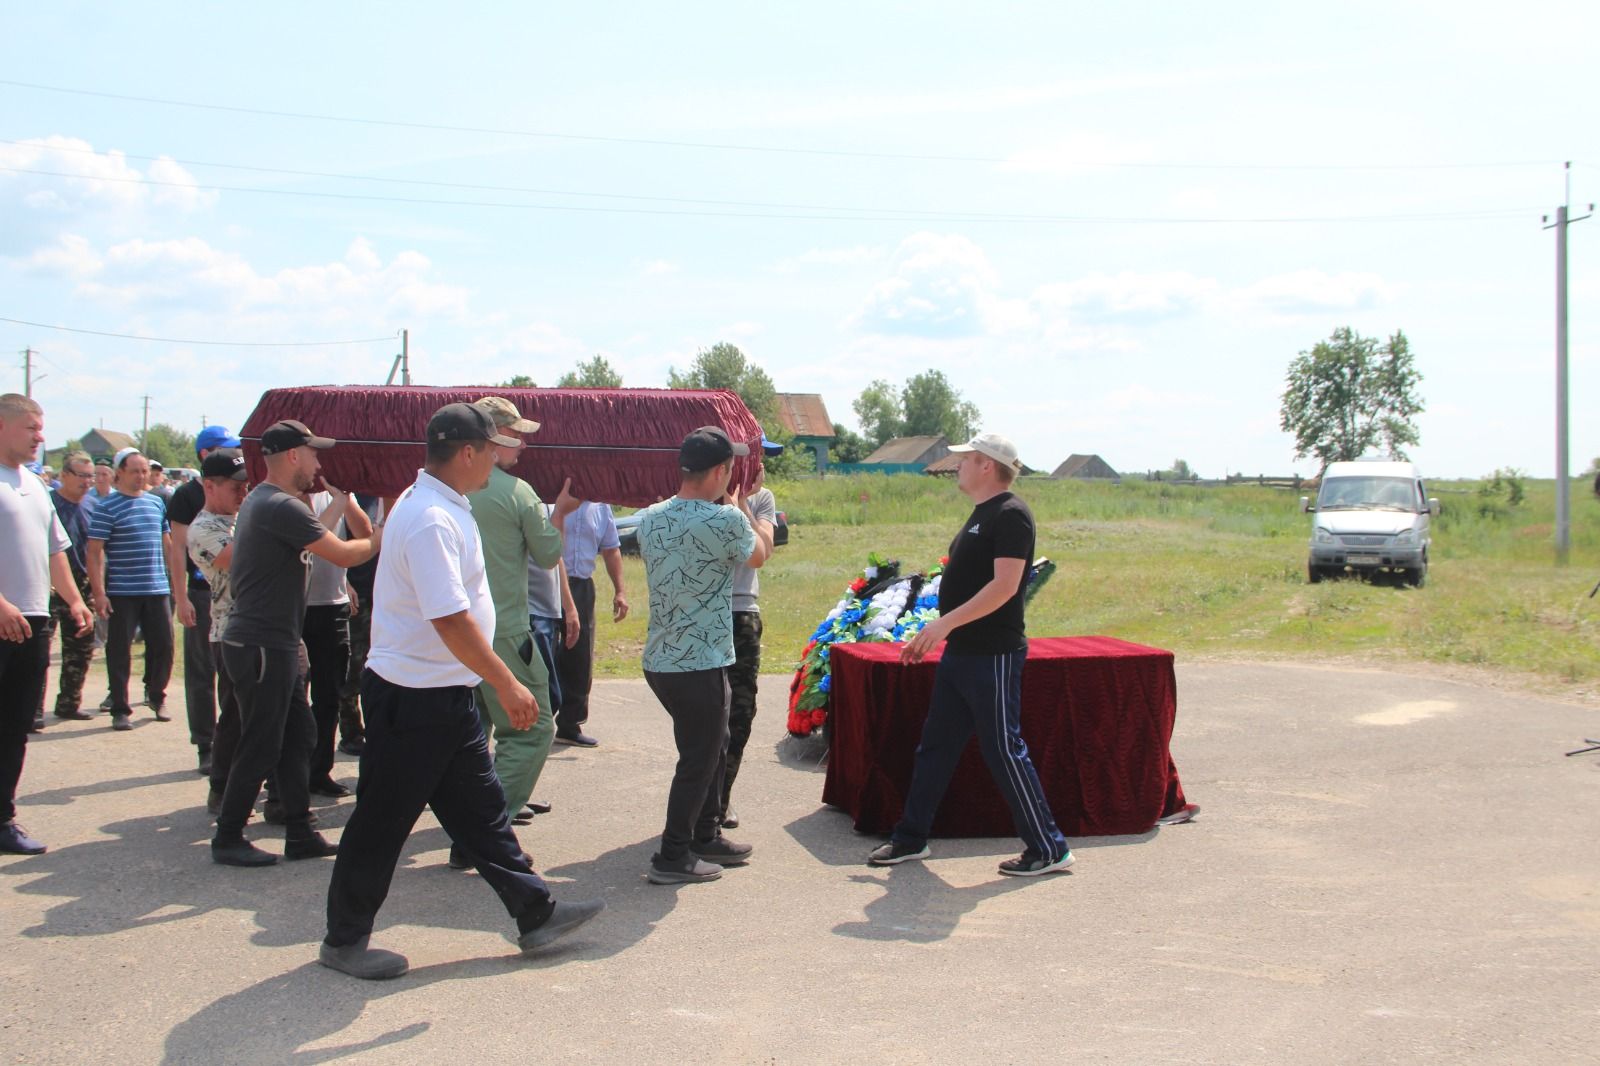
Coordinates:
[1202,571]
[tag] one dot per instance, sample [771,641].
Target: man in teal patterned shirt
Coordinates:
[691,546]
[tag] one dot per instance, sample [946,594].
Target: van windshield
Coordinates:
[1367,494]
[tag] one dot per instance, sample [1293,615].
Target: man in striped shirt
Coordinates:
[129,548]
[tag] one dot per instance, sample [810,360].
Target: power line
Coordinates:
[898,213]
[176,340]
[1445,216]
[735,147]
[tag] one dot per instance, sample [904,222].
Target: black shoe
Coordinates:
[458,859]
[38,725]
[524,816]
[14,840]
[563,919]
[160,711]
[892,854]
[730,820]
[580,739]
[1030,865]
[272,814]
[121,722]
[311,846]
[358,960]
[329,787]
[105,704]
[204,766]
[690,871]
[353,745]
[77,714]
[722,851]
[240,853]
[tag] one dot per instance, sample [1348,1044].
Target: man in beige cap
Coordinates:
[978,685]
[513,528]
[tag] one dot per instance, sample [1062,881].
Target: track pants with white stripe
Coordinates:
[979,694]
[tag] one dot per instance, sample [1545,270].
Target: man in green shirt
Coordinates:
[514,529]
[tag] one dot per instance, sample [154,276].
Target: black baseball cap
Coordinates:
[224,462]
[463,421]
[289,434]
[706,447]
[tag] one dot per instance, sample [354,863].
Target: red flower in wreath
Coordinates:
[858,584]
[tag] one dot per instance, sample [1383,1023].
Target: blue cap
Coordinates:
[769,448]
[214,437]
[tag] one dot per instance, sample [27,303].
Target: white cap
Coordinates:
[996,447]
[118,459]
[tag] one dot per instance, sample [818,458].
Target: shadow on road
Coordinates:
[918,906]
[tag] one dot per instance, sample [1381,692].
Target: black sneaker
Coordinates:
[240,853]
[893,853]
[1030,865]
[353,745]
[722,851]
[14,840]
[121,722]
[563,919]
[580,739]
[311,846]
[730,820]
[329,787]
[38,724]
[73,714]
[160,711]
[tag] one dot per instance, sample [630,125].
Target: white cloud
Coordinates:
[1127,295]
[1310,292]
[943,286]
[72,178]
[661,266]
[830,257]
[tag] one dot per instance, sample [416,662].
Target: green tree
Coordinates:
[930,405]
[878,413]
[724,366]
[1348,394]
[792,463]
[518,381]
[848,447]
[167,445]
[593,373]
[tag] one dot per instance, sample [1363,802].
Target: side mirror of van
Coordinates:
[1305,504]
[1433,506]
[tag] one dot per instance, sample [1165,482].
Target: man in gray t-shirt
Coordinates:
[745,672]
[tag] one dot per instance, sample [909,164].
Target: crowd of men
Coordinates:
[447,637]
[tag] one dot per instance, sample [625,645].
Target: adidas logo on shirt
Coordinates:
[974,528]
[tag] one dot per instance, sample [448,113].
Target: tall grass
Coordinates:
[1203,571]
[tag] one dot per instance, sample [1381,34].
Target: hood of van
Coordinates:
[1384,522]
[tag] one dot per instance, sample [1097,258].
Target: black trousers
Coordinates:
[576,664]
[153,616]
[22,667]
[425,748]
[200,671]
[697,700]
[327,637]
[350,688]
[225,738]
[276,735]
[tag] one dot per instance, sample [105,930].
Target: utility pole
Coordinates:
[144,435]
[402,362]
[27,373]
[1563,480]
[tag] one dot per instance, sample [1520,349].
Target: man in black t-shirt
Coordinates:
[978,686]
[274,538]
[199,671]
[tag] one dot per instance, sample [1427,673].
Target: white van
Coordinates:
[1370,515]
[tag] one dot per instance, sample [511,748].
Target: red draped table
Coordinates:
[1097,715]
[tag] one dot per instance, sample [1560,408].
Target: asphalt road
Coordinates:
[1388,868]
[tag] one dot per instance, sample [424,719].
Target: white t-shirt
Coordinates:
[30,533]
[431,567]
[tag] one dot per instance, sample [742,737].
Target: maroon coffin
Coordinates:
[619,446]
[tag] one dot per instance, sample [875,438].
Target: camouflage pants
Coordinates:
[350,726]
[742,678]
[76,652]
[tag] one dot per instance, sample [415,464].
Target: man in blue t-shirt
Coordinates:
[691,546]
[129,548]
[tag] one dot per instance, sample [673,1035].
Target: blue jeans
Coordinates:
[548,635]
[979,694]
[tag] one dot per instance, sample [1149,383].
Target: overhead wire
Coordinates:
[1482,213]
[180,340]
[737,147]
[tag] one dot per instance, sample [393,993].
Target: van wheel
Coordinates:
[1314,573]
[1417,576]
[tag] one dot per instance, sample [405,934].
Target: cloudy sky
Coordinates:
[1111,226]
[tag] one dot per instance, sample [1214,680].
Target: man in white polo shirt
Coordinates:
[432,631]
